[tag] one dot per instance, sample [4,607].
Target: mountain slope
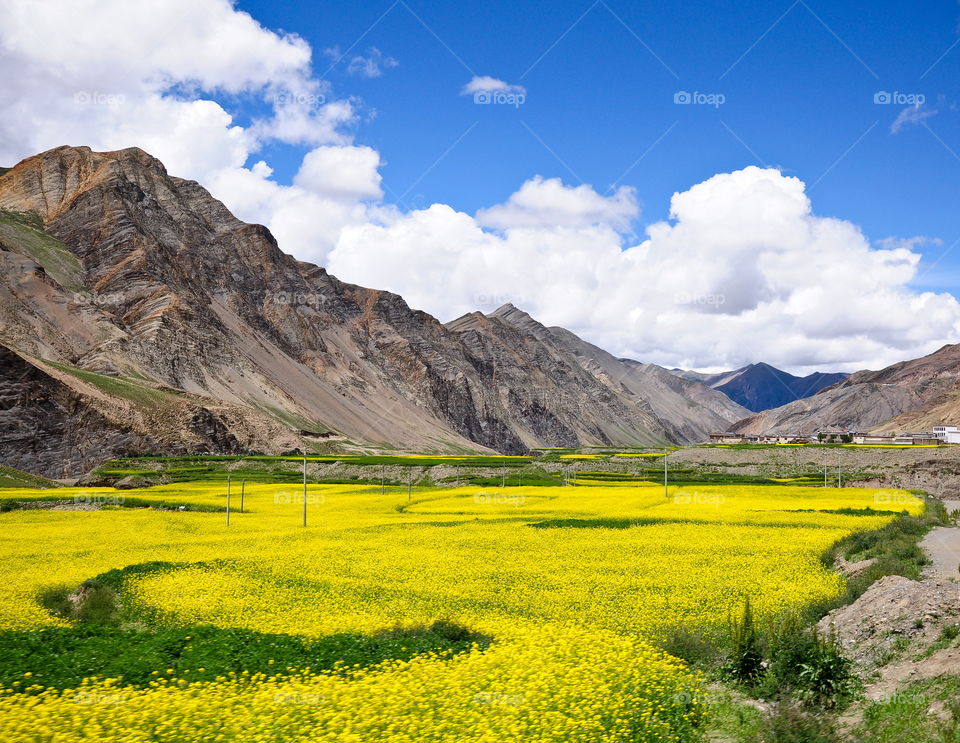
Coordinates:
[761,386]
[110,266]
[908,395]
[678,410]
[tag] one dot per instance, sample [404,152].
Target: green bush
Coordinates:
[745,662]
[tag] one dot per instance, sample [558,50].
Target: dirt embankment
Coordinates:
[934,470]
[901,630]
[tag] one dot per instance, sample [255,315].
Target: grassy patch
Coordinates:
[24,233]
[912,714]
[61,657]
[895,549]
[13,478]
[118,386]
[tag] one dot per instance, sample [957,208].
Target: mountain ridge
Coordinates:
[114,267]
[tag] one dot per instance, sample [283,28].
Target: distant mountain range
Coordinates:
[908,396]
[138,314]
[761,386]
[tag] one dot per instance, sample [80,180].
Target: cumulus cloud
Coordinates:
[549,203]
[342,173]
[743,270]
[176,56]
[487,84]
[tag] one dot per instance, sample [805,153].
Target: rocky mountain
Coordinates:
[136,305]
[910,395]
[681,410]
[761,386]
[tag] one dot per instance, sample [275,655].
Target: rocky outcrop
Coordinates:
[112,266]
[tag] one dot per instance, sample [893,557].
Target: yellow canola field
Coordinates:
[574,585]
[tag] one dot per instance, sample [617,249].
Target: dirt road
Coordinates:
[942,544]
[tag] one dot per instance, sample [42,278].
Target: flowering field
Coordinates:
[467,614]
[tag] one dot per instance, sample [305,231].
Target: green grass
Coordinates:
[107,639]
[895,549]
[126,388]
[906,715]
[12,478]
[24,233]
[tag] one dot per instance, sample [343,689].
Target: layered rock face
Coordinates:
[114,268]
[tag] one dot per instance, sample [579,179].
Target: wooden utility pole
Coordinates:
[839,473]
[665,494]
[381,479]
[228,500]
[243,488]
[304,488]
[409,483]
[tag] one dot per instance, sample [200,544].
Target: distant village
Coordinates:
[938,436]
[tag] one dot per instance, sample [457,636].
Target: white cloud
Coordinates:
[373,65]
[911,115]
[342,173]
[548,203]
[487,84]
[113,74]
[743,271]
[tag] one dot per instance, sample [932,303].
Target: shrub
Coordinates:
[745,663]
[809,664]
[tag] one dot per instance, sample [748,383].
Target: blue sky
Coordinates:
[799,82]
[813,179]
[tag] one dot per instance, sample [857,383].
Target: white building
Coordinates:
[947,434]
